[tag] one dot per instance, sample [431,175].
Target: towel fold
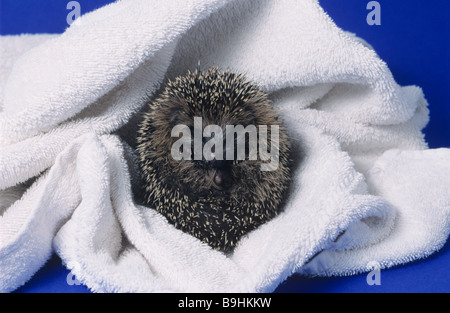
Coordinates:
[365,188]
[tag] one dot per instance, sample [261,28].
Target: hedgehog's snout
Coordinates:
[218,179]
[218,173]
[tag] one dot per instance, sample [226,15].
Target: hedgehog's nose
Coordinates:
[215,176]
[219,178]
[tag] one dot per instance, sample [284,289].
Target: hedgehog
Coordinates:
[220,198]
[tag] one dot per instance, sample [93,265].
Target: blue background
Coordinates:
[413,39]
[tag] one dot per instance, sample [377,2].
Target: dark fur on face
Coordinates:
[216,201]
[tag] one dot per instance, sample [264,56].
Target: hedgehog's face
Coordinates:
[186,141]
[199,160]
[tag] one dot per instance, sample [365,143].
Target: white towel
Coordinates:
[366,188]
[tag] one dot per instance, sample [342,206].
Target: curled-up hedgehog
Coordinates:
[214,156]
